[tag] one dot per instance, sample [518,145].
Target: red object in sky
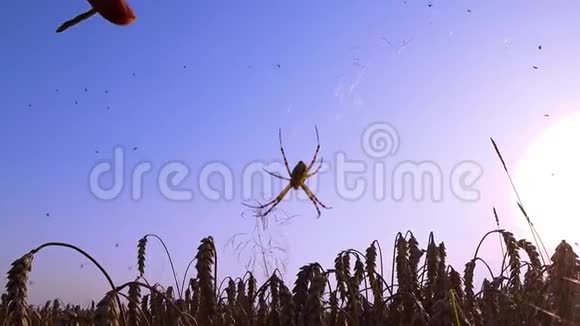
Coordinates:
[117,12]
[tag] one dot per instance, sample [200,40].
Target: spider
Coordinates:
[296,180]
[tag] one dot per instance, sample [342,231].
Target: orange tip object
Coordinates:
[117,12]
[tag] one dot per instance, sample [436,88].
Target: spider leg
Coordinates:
[283,154]
[252,206]
[278,199]
[76,20]
[316,151]
[276,175]
[313,196]
[260,206]
[317,169]
[273,202]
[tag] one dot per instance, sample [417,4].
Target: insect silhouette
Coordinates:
[117,12]
[296,180]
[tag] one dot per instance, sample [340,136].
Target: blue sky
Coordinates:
[198,82]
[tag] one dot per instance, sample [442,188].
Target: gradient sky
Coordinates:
[461,78]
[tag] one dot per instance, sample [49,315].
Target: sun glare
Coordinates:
[548,180]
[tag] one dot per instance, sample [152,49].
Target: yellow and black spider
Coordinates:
[297,179]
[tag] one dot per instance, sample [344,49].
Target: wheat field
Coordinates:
[422,289]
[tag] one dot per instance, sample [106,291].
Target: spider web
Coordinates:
[263,247]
